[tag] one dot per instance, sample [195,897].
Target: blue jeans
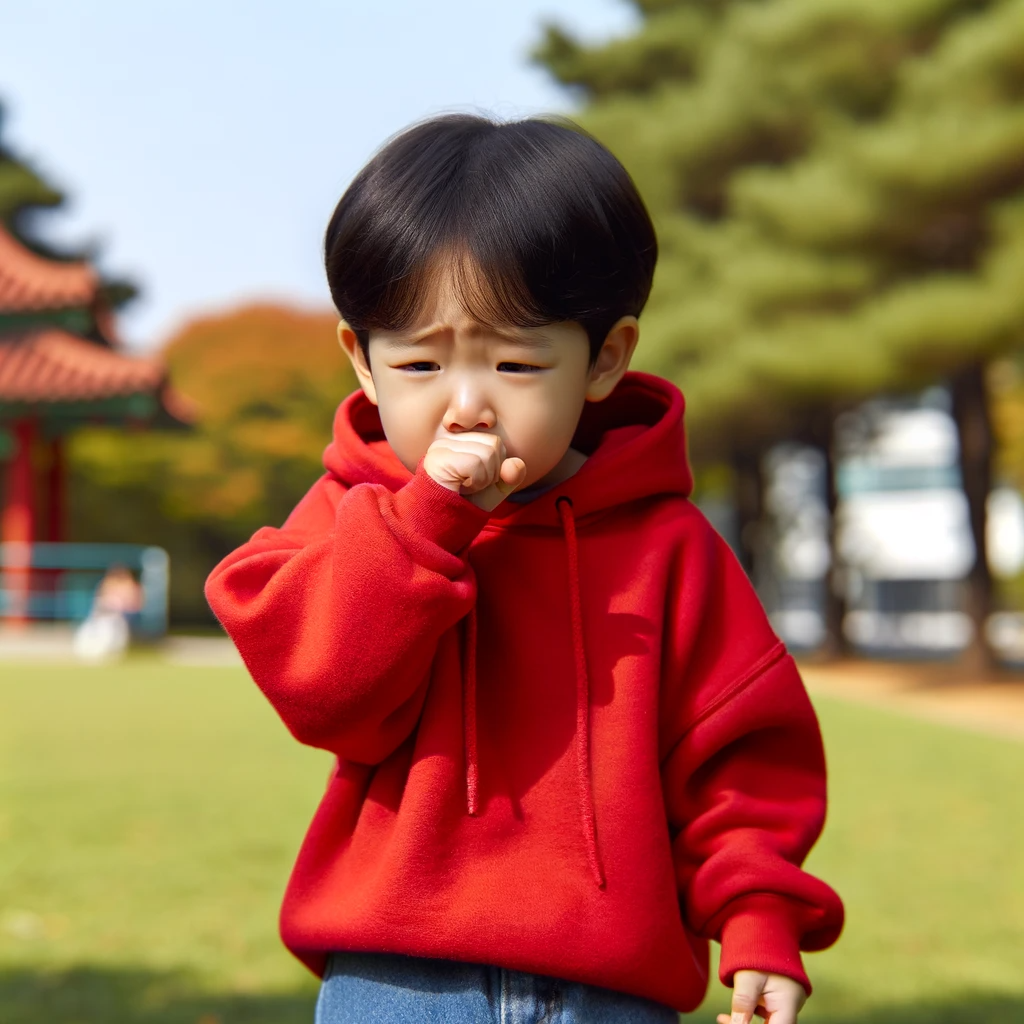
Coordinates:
[392,988]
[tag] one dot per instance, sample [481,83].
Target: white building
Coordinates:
[903,532]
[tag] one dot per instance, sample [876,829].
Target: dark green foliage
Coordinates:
[21,187]
[24,193]
[118,292]
[668,48]
[837,189]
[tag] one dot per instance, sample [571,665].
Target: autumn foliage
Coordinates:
[266,381]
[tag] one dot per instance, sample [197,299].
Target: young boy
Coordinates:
[570,748]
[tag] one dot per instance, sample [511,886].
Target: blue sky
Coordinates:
[204,145]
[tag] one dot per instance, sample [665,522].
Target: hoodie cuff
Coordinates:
[761,934]
[431,511]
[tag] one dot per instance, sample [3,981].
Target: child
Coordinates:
[570,749]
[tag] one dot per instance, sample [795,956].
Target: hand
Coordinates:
[773,996]
[474,465]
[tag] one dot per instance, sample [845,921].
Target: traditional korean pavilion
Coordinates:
[61,367]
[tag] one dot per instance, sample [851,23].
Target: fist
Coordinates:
[773,996]
[474,465]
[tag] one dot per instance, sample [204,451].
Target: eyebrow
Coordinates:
[519,340]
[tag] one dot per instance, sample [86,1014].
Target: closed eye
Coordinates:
[519,368]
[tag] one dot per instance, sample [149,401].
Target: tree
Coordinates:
[927,197]
[267,381]
[21,187]
[836,186]
[24,193]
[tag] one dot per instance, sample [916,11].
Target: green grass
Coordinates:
[924,842]
[149,816]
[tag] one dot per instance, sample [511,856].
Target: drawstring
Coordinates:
[469,713]
[586,799]
[584,792]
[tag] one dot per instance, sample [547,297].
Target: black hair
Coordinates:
[539,222]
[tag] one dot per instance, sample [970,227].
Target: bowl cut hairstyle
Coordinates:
[537,222]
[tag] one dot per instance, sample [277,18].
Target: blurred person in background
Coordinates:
[116,607]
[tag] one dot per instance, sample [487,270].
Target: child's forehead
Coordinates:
[457,299]
[454,329]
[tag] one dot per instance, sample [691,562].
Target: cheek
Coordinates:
[545,424]
[406,422]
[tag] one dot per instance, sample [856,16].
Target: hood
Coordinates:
[636,447]
[635,441]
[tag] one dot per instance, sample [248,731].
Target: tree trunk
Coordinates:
[970,410]
[820,433]
[749,497]
[836,645]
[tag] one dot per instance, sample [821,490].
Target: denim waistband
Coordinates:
[367,988]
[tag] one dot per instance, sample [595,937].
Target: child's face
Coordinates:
[447,375]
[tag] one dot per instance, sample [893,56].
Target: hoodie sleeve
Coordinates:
[744,773]
[338,613]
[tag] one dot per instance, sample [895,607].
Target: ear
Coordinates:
[350,343]
[613,359]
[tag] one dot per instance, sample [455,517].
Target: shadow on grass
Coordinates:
[97,995]
[979,1008]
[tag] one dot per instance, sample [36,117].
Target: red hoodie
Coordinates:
[568,740]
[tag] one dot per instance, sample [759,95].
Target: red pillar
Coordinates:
[17,524]
[56,492]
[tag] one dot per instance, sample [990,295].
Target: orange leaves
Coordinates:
[267,380]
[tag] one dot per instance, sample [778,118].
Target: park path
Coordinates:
[926,691]
[933,692]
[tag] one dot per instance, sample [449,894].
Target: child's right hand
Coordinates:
[474,465]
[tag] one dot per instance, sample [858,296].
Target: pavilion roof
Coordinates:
[49,366]
[29,282]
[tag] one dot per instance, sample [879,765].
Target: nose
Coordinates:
[468,409]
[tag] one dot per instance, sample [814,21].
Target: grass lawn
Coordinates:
[149,815]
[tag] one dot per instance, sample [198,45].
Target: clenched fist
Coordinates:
[773,996]
[474,465]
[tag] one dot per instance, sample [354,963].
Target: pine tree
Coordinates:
[837,190]
[22,188]
[24,193]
